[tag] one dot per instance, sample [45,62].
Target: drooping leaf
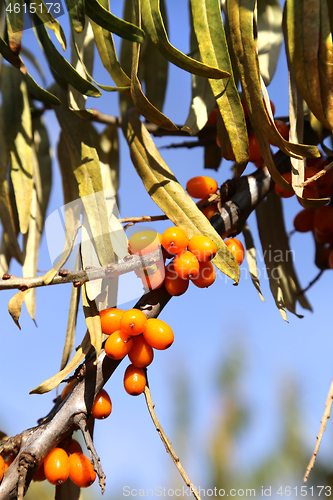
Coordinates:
[61,66]
[152,18]
[18,134]
[241,20]
[86,168]
[278,257]
[78,357]
[76,11]
[168,194]
[71,322]
[44,14]
[141,102]
[103,17]
[208,26]
[15,305]
[14,18]
[325,59]
[270,37]
[251,257]
[302,41]
[93,321]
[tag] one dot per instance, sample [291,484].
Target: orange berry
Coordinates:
[284,193]
[110,319]
[142,353]
[254,149]
[102,405]
[323,220]
[67,389]
[56,466]
[186,265]
[39,474]
[206,276]
[158,334]
[173,283]
[2,467]
[81,470]
[133,322]
[73,447]
[303,221]
[237,249]
[212,119]
[175,239]
[152,280]
[202,247]
[210,210]
[118,345]
[144,242]
[201,186]
[330,259]
[134,380]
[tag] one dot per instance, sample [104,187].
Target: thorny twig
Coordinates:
[167,442]
[326,416]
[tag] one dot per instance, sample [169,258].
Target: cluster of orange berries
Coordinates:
[131,333]
[63,462]
[255,155]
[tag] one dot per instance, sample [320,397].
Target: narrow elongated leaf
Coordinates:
[107,52]
[93,321]
[153,22]
[76,11]
[86,168]
[18,133]
[303,34]
[71,322]
[241,20]
[78,357]
[108,21]
[208,26]
[62,66]
[15,305]
[325,59]
[9,246]
[251,257]
[141,102]
[46,17]
[168,194]
[278,257]
[270,37]
[14,17]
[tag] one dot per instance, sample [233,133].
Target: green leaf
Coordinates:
[278,256]
[302,41]
[270,37]
[153,22]
[87,171]
[325,56]
[208,26]
[78,357]
[76,11]
[108,21]
[18,134]
[93,321]
[71,322]
[49,21]
[251,257]
[141,102]
[168,194]
[62,66]
[14,24]
[241,19]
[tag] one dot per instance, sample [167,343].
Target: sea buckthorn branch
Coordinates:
[326,416]
[33,445]
[130,263]
[167,442]
[81,421]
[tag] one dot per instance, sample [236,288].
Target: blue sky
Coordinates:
[207,324]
